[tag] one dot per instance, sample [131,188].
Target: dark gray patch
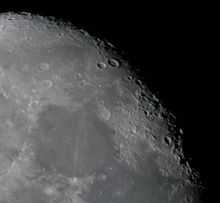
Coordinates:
[72,143]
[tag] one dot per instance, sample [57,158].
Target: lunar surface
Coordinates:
[78,126]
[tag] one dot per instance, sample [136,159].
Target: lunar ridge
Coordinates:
[78,126]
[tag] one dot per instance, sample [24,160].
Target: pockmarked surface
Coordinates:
[77,126]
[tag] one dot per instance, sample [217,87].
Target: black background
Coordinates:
[167,43]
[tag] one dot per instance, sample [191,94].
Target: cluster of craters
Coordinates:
[21,177]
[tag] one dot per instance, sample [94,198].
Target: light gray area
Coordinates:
[76,125]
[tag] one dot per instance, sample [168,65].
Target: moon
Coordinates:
[77,125]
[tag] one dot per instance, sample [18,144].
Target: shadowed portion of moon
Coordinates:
[78,126]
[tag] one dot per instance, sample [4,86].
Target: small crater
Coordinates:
[103,112]
[130,78]
[44,67]
[101,65]
[46,84]
[114,63]
[167,140]
[106,114]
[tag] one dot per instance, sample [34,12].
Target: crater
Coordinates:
[71,143]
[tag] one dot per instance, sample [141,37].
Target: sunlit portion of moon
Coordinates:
[78,126]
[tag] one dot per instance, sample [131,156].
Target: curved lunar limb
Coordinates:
[78,126]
